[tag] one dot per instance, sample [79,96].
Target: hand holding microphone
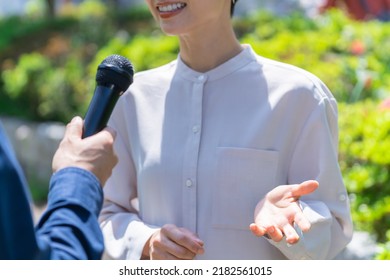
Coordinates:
[95,153]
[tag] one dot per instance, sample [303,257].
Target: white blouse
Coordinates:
[200,150]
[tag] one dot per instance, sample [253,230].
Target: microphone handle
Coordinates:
[100,109]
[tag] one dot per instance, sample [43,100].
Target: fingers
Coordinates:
[111,131]
[279,212]
[257,230]
[95,154]
[193,236]
[275,233]
[190,244]
[304,188]
[302,222]
[108,134]
[268,232]
[106,137]
[172,243]
[280,227]
[292,236]
[74,128]
[65,152]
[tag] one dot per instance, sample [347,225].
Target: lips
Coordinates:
[167,10]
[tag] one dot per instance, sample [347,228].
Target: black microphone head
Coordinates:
[115,70]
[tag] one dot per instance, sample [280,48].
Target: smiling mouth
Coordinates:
[171,8]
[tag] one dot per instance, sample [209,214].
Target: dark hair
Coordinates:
[232,7]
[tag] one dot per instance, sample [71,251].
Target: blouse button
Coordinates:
[201,78]
[189,183]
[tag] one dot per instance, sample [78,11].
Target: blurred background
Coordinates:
[50,49]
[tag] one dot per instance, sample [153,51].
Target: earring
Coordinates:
[234,2]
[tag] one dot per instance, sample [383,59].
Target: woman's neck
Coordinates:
[205,51]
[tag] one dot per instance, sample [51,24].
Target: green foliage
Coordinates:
[35,8]
[145,52]
[54,77]
[49,65]
[365,163]
[18,81]
[349,56]
[16,30]
[11,28]
[43,91]
[384,253]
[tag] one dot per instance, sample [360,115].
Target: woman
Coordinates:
[220,148]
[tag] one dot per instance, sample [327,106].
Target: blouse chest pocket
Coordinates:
[244,176]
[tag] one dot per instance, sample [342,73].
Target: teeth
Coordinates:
[171,7]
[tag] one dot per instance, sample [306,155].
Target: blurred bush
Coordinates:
[42,91]
[365,164]
[350,57]
[48,65]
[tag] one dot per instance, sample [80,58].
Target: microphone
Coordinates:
[114,75]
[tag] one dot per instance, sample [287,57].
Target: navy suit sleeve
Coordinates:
[68,228]
[69,225]
[17,235]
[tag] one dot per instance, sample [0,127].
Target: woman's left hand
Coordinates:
[277,212]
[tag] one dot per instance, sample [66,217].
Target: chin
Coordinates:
[171,31]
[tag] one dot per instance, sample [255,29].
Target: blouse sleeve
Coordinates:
[124,232]
[316,157]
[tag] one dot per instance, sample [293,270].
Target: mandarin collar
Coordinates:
[245,57]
